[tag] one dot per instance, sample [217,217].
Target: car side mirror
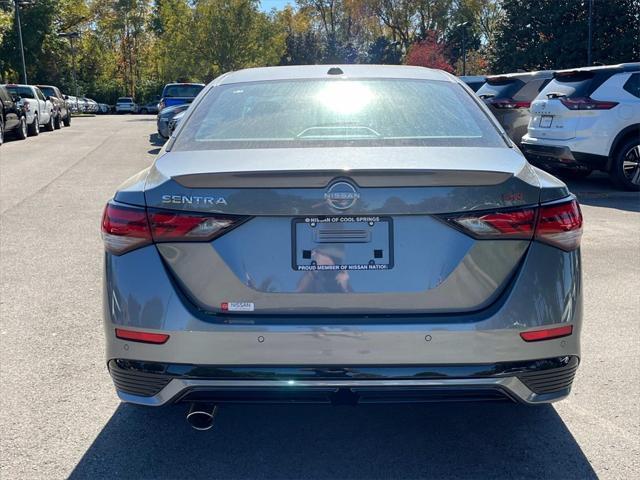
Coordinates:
[66,97]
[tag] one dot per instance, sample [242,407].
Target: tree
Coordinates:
[552,34]
[429,53]
[384,52]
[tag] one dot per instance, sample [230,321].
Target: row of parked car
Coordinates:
[573,121]
[26,109]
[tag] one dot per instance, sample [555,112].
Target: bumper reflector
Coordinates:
[144,337]
[547,334]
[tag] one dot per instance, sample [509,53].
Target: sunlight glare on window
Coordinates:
[345,97]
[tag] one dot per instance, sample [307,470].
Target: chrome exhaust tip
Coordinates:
[201,415]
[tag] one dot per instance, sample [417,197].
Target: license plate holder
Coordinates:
[342,243]
[546,121]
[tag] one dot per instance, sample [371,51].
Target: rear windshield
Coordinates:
[183,90]
[302,113]
[500,87]
[22,92]
[125,100]
[570,84]
[48,91]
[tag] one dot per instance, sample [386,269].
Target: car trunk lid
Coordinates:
[365,234]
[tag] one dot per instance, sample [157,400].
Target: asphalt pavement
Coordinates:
[60,417]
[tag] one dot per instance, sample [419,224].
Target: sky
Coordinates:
[269,4]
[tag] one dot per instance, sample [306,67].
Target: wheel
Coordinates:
[625,170]
[21,132]
[1,130]
[49,125]
[574,173]
[67,120]
[34,128]
[144,111]
[57,123]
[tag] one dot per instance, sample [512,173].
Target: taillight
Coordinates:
[586,103]
[161,105]
[508,103]
[512,224]
[126,228]
[170,226]
[558,224]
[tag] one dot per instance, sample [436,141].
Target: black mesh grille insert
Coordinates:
[136,382]
[551,380]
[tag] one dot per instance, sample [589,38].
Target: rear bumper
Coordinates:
[561,156]
[530,382]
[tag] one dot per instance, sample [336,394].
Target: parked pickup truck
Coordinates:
[39,110]
[12,117]
[61,110]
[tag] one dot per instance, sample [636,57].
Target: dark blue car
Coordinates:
[178,93]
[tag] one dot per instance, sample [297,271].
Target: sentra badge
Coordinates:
[193,200]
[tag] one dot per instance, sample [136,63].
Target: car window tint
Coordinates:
[48,91]
[23,92]
[500,87]
[182,90]
[299,113]
[632,85]
[529,91]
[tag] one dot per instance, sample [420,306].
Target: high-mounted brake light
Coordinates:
[144,337]
[508,103]
[126,228]
[558,224]
[547,333]
[586,103]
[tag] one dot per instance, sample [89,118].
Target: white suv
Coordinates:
[589,119]
[126,104]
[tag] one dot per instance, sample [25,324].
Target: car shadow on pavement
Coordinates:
[411,441]
[598,191]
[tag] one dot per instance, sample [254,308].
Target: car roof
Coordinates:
[622,67]
[525,76]
[183,83]
[322,72]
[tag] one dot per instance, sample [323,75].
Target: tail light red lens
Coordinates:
[586,103]
[144,337]
[559,224]
[515,224]
[547,334]
[169,226]
[126,228]
[508,103]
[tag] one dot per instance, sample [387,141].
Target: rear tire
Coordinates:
[1,130]
[21,132]
[67,120]
[34,128]
[57,124]
[49,125]
[625,169]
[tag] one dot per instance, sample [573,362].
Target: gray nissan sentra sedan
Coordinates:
[341,234]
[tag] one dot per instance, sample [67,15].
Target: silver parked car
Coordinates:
[340,234]
[509,98]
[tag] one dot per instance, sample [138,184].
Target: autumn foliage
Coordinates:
[429,53]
